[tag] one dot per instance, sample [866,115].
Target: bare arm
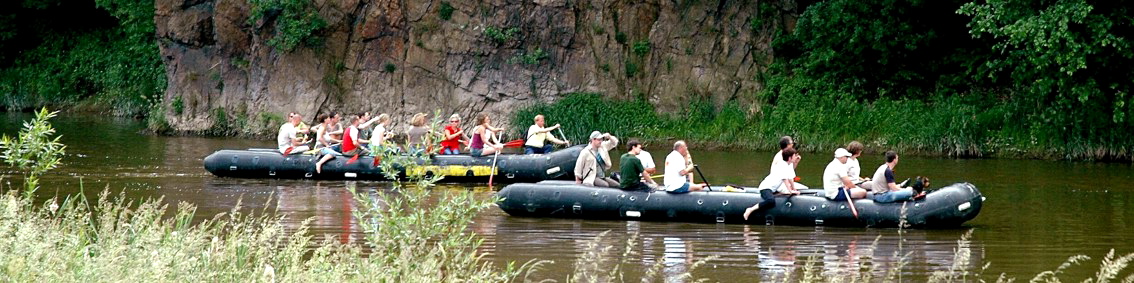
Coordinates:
[847,182]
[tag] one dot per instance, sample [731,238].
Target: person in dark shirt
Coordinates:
[632,168]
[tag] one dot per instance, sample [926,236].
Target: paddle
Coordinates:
[493,172]
[707,186]
[851,202]
[564,136]
[515,143]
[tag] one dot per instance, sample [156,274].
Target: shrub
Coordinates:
[390,67]
[501,35]
[296,22]
[641,48]
[620,37]
[445,11]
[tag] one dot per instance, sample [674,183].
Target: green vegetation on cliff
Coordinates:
[1046,79]
[104,55]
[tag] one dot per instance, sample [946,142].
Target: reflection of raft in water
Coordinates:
[268,163]
[946,207]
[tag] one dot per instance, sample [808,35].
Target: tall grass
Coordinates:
[947,125]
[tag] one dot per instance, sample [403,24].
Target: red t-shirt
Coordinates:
[349,143]
[453,143]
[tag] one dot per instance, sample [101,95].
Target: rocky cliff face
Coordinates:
[401,57]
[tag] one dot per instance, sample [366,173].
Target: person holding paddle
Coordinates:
[837,183]
[678,172]
[538,136]
[481,143]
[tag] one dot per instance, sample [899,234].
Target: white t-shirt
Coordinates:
[833,177]
[287,134]
[376,137]
[854,170]
[776,177]
[674,163]
[647,159]
[778,159]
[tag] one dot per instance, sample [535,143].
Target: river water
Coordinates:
[1038,213]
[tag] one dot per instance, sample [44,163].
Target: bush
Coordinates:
[296,22]
[501,35]
[445,11]
[641,48]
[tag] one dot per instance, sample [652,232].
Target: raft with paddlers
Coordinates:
[946,207]
[269,163]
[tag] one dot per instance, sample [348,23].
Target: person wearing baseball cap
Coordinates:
[837,184]
[594,160]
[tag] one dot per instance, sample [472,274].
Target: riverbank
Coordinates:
[941,127]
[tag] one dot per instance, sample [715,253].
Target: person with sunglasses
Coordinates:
[454,136]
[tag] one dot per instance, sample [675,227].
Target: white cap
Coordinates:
[596,135]
[842,152]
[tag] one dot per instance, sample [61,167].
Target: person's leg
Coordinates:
[599,182]
[319,164]
[546,148]
[681,190]
[885,197]
[695,187]
[857,193]
[842,196]
[903,194]
[489,150]
[768,201]
[529,150]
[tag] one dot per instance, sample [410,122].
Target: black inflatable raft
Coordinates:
[942,208]
[269,163]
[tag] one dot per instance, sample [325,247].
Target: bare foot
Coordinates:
[748,211]
[318,168]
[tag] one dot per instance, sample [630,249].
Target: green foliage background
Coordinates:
[106,55]
[1036,78]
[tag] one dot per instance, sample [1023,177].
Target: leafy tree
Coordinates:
[1070,59]
[35,150]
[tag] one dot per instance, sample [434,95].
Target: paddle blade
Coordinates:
[288,150]
[353,159]
[514,143]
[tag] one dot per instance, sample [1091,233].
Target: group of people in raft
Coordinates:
[332,139]
[842,180]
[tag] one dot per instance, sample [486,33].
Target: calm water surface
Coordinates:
[1038,213]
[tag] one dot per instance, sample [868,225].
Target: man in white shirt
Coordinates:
[780,180]
[648,163]
[678,173]
[287,141]
[837,183]
[538,136]
[785,143]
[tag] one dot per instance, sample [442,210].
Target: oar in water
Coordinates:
[493,172]
[707,186]
[850,201]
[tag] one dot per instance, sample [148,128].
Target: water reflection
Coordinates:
[1038,212]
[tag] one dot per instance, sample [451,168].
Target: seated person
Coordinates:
[886,190]
[593,159]
[287,140]
[854,169]
[780,180]
[632,168]
[538,136]
[482,142]
[678,173]
[454,136]
[352,144]
[837,184]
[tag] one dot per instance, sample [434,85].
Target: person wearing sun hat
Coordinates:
[837,184]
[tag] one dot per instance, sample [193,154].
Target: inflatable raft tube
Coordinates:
[269,163]
[946,207]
